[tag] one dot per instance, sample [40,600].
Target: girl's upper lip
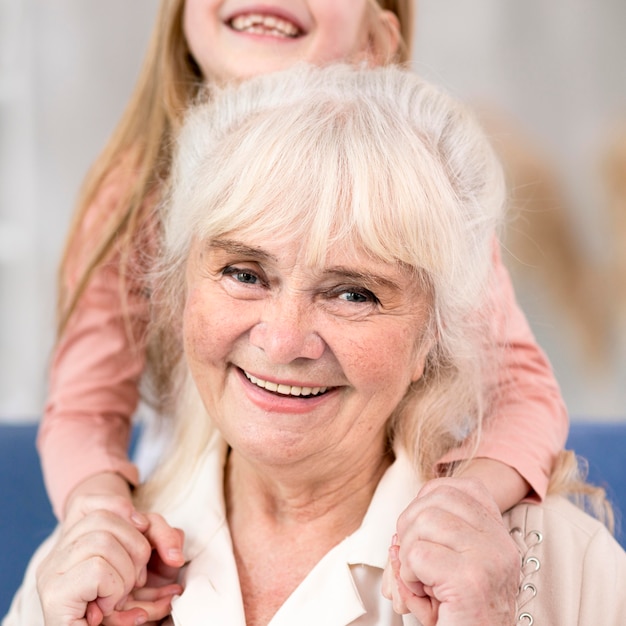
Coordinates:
[298,21]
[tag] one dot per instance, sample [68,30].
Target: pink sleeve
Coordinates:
[93,392]
[93,384]
[530,424]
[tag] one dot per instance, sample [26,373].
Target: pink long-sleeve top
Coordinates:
[97,366]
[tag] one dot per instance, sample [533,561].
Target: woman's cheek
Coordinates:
[197,329]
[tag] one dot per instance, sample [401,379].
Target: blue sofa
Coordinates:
[26,518]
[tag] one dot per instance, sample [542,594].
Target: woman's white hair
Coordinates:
[375,157]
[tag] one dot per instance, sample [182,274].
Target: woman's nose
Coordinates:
[285,332]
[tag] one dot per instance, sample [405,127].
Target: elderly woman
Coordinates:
[326,288]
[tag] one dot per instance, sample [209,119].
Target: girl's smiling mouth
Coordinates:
[264,24]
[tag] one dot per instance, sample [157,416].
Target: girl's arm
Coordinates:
[96,367]
[529,424]
[93,391]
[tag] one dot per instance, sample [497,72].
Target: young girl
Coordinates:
[104,304]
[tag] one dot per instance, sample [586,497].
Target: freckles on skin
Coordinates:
[192,323]
[199,318]
[400,356]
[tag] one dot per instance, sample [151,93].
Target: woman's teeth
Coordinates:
[286,390]
[264,25]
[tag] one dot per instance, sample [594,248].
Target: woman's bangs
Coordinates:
[325,179]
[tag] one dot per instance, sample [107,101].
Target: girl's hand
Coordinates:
[453,562]
[98,559]
[147,605]
[135,559]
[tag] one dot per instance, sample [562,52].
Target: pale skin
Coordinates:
[328,30]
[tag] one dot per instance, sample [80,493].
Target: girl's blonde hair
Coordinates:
[378,159]
[139,152]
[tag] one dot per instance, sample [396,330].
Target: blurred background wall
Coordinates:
[548,78]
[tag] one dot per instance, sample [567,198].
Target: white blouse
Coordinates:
[343,588]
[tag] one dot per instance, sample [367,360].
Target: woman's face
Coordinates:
[300,364]
[234,39]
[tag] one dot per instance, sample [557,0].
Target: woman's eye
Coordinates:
[240,275]
[358,296]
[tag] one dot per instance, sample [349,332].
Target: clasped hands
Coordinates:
[451,563]
[111,565]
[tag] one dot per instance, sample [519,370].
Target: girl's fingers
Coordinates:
[152,604]
[152,594]
[393,587]
[167,541]
[93,615]
[133,617]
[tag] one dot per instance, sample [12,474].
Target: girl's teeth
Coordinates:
[285,390]
[264,24]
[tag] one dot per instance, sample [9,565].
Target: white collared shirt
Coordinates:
[343,588]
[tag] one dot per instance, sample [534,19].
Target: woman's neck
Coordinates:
[308,494]
[282,522]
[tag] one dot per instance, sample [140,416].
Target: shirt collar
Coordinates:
[199,510]
[211,583]
[398,486]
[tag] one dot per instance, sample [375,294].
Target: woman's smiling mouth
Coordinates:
[270,25]
[286,390]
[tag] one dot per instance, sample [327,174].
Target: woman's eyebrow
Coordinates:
[237,248]
[368,279]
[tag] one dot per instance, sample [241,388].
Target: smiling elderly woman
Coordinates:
[326,287]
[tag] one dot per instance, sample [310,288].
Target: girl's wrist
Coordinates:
[107,484]
[505,484]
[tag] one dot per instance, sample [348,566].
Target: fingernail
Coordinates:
[138,519]
[175,554]
[394,553]
[141,619]
[394,540]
